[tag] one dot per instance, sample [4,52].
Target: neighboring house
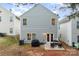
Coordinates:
[39,23]
[9,23]
[69,29]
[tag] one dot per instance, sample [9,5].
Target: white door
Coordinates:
[49,37]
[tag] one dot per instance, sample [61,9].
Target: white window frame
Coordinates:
[11,30]
[24,21]
[11,19]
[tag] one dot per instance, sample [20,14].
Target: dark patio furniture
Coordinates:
[35,43]
[60,45]
[55,41]
[73,44]
[2,34]
[21,42]
[52,45]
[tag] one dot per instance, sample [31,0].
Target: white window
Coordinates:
[24,21]
[31,36]
[11,19]
[11,30]
[53,21]
[78,24]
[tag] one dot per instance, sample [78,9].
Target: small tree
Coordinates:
[73,7]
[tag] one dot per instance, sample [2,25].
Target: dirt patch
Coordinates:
[27,50]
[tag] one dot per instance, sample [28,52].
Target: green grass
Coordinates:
[7,41]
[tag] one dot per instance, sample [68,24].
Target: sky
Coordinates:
[51,6]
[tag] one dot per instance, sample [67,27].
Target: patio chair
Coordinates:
[35,43]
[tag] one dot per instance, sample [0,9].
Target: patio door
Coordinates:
[49,37]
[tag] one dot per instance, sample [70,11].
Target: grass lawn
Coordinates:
[7,41]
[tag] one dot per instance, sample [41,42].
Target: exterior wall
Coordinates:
[66,32]
[69,31]
[5,23]
[16,26]
[75,31]
[38,22]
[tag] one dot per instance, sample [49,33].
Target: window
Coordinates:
[28,36]
[53,21]
[0,18]
[78,24]
[11,19]
[33,35]
[24,21]
[51,37]
[48,37]
[11,30]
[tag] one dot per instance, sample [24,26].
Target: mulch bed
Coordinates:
[16,50]
[27,50]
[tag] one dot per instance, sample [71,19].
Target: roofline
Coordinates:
[34,6]
[65,21]
[7,10]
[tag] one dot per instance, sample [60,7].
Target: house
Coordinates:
[39,23]
[69,29]
[9,24]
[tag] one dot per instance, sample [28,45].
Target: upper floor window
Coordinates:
[11,19]
[53,21]
[11,30]
[0,18]
[78,24]
[24,21]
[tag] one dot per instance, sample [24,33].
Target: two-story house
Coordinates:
[39,23]
[69,29]
[9,23]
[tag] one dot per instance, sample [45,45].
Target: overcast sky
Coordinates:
[51,6]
